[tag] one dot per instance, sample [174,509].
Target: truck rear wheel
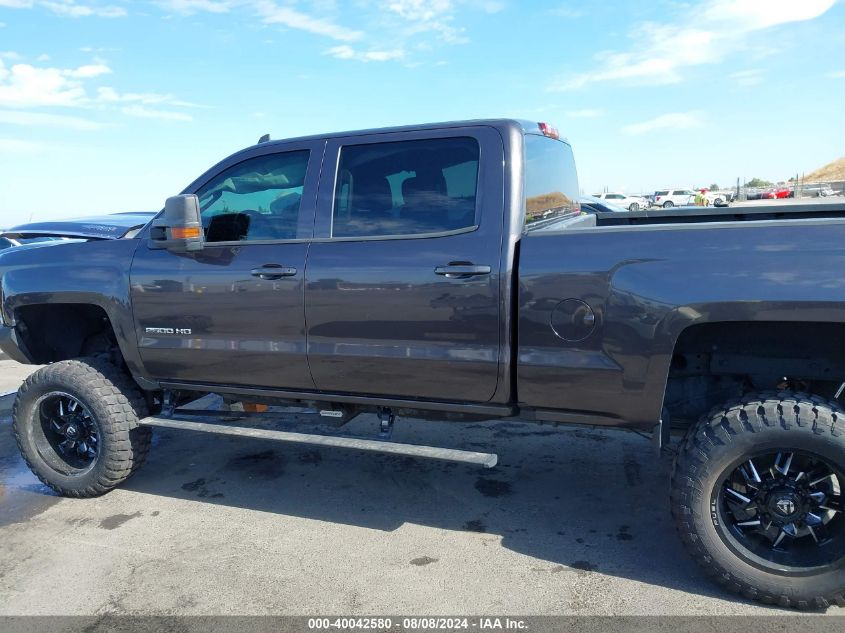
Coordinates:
[757,495]
[668,204]
[76,424]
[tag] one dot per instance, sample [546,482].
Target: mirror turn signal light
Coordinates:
[184,232]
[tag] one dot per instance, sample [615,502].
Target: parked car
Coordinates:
[424,274]
[717,198]
[816,191]
[667,198]
[778,193]
[591,204]
[631,203]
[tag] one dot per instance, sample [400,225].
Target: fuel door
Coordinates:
[573,320]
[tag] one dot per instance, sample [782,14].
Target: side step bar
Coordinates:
[487,460]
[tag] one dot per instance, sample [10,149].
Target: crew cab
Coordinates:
[446,271]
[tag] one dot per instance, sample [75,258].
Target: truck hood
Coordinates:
[101,227]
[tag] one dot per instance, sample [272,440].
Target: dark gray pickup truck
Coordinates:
[446,271]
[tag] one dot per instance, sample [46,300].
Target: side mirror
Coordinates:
[179,229]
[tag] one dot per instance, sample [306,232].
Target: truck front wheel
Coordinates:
[76,424]
[757,495]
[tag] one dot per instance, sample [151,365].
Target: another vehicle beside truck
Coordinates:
[668,198]
[446,271]
[632,203]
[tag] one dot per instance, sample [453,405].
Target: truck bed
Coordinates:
[776,211]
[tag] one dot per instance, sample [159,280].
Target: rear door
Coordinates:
[232,313]
[402,283]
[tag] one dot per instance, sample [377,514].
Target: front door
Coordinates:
[232,313]
[402,283]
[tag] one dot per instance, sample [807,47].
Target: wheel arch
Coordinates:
[710,361]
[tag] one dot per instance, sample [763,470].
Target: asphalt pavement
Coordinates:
[571,521]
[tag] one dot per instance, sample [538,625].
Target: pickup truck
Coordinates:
[445,271]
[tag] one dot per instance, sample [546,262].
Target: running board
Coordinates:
[487,460]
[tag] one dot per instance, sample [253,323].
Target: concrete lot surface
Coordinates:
[572,521]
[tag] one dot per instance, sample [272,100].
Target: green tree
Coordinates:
[714,187]
[758,182]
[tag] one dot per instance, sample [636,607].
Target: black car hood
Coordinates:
[100,227]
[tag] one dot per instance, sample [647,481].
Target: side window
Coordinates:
[406,188]
[551,182]
[4,243]
[257,199]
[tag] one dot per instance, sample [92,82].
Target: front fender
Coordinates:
[89,273]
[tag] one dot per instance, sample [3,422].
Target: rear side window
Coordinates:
[661,193]
[551,182]
[406,188]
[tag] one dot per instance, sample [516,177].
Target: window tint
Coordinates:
[551,182]
[257,199]
[406,188]
[661,193]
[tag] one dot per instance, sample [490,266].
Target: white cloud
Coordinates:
[272,13]
[671,121]
[391,24]
[586,113]
[192,6]
[18,146]
[68,8]
[88,71]
[41,119]
[706,34]
[420,10]
[72,9]
[151,113]
[567,11]
[27,86]
[110,95]
[345,51]
[24,85]
[836,74]
[488,6]
[421,16]
[747,78]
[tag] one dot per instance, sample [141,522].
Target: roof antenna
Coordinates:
[264,139]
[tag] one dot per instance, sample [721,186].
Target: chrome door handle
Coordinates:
[461,271]
[273,271]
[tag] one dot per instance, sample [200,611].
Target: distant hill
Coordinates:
[832,171]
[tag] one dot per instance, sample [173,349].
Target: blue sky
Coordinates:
[108,105]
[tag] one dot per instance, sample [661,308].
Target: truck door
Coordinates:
[232,313]
[402,283]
